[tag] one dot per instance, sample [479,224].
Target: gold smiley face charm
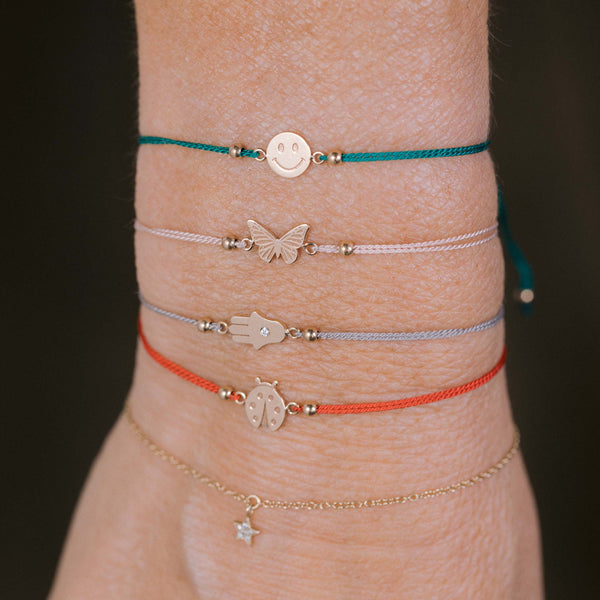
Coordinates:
[288,154]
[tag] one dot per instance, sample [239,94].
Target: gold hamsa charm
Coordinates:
[256,330]
[264,404]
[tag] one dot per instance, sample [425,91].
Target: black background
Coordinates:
[68,280]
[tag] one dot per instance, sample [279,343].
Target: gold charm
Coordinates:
[288,154]
[244,528]
[265,404]
[256,330]
[245,531]
[269,246]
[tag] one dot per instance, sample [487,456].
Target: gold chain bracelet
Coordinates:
[244,528]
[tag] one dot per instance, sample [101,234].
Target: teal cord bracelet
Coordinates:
[525,293]
[151,139]
[289,155]
[410,154]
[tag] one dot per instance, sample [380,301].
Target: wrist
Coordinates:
[415,107]
[247,94]
[425,75]
[433,440]
[225,74]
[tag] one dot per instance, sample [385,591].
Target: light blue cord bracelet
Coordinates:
[260,331]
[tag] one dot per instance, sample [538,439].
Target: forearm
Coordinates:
[358,77]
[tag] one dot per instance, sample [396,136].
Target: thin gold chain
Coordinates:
[253,501]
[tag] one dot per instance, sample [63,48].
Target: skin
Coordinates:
[357,76]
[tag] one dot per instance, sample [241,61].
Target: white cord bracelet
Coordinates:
[287,246]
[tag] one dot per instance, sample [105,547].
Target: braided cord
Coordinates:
[517,256]
[437,334]
[411,154]
[440,245]
[366,407]
[172,234]
[348,157]
[174,367]
[166,313]
[157,141]
[356,336]
[416,247]
[330,409]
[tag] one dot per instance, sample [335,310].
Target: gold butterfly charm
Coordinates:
[265,404]
[285,247]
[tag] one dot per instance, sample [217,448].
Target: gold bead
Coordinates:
[204,324]
[225,393]
[526,296]
[346,248]
[310,335]
[229,243]
[309,409]
[334,158]
[235,151]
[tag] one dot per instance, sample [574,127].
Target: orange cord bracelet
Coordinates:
[344,409]
[311,409]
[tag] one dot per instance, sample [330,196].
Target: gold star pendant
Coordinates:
[245,531]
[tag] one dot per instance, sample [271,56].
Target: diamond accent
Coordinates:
[245,531]
[265,331]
